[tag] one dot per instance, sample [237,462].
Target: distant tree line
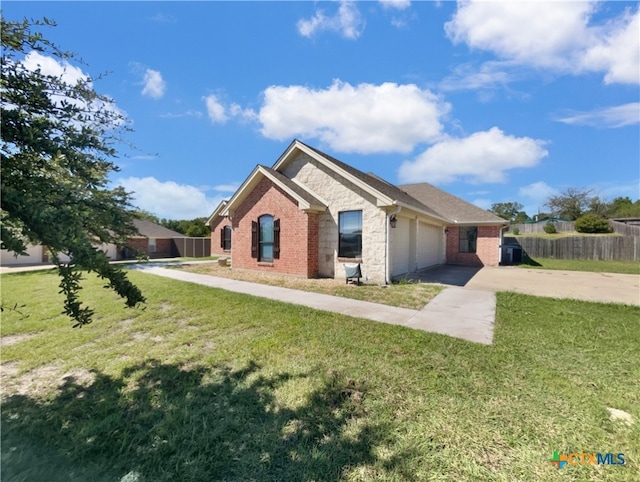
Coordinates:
[189,227]
[571,205]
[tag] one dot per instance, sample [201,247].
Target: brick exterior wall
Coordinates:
[216,226]
[487,247]
[164,247]
[298,232]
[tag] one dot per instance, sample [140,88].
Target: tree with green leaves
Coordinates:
[624,207]
[58,141]
[508,210]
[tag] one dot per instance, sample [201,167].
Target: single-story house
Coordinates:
[310,213]
[153,240]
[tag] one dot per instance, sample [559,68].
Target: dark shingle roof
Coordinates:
[380,185]
[451,207]
[153,230]
[423,196]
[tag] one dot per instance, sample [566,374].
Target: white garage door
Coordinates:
[429,247]
[111,250]
[34,256]
[400,256]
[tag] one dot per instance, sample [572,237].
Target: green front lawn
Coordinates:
[405,295]
[598,266]
[206,384]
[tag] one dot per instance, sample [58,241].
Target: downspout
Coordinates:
[388,244]
[501,243]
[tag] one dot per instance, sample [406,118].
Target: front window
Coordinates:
[468,237]
[152,245]
[265,229]
[226,238]
[350,237]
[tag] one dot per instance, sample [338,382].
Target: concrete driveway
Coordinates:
[601,287]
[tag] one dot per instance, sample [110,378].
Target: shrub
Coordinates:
[550,228]
[592,223]
[516,231]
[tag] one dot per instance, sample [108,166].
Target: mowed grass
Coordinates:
[561,234]
[596,266]
[205,384]
[404,294]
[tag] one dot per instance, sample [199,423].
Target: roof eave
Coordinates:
[216,212]
[403,205]
[252,181]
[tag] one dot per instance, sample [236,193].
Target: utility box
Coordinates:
[511,254]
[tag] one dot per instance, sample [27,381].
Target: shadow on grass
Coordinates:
[166,422]
[527,261]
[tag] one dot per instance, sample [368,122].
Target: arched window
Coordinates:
[265,242]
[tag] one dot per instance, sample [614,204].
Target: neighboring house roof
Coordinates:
[457,210]
[147,229]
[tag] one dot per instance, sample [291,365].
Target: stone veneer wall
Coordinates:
[216,226]
[341,195]
[298,232]
[487,247]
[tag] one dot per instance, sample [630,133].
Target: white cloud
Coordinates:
[154,84]
[163,18]
[226,187]
[534,196]
[537,191]
[551,35]
[616,116]
[611,190]
[365,118]
[215,109]
[71,75]
[483,157]
[49,66]
[169,199]
[348,22]
[177,115]
[489,75]
[243,114]
[617,52]
[395,4]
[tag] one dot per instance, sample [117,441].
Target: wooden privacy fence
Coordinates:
[192,247]
[619,248]
[625,229]
[562,226]
[539,227]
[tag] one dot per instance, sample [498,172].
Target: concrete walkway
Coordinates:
[579,285]
[458,312]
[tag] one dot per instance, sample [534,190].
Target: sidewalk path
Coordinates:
[458,312]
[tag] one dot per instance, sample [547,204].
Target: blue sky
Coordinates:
[493,102]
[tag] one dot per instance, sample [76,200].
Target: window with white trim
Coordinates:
[350,234]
